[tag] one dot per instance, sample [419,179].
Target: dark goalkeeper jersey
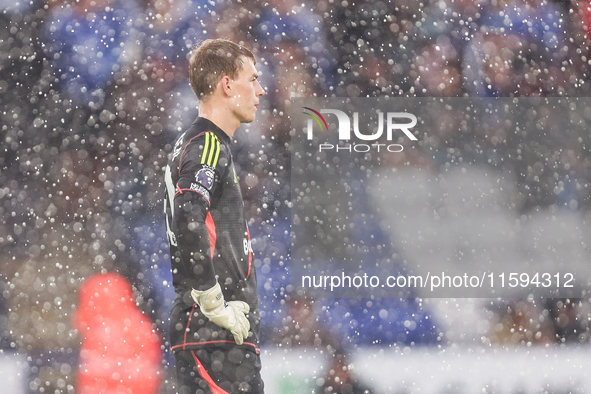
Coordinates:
[208,236]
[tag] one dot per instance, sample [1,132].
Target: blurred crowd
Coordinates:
[93,92]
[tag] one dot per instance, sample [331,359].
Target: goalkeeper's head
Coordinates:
[224,72]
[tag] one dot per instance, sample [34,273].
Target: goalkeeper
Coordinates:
[214,323]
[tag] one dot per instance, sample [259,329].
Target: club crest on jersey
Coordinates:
[205,177]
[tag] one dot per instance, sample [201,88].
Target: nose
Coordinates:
[260,90]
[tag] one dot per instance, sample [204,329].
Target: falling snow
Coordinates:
[92,94]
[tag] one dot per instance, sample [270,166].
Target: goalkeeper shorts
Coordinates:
[218,371]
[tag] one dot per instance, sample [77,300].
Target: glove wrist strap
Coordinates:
[210,299]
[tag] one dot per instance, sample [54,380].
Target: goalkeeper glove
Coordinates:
[229,315]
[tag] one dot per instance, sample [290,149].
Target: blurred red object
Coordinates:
[120,351]
[584,9]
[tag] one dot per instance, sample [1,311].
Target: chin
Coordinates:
[248,119]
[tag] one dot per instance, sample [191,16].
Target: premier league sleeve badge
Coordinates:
[205,177]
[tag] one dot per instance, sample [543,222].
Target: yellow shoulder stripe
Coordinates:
[211,150]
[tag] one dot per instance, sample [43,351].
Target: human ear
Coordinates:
[225,83]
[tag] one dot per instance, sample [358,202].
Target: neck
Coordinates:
[219,115]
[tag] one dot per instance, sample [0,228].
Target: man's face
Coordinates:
[247,91]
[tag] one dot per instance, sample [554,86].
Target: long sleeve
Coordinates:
[196,182]
[194,241]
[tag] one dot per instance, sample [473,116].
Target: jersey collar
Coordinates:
[207,124]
